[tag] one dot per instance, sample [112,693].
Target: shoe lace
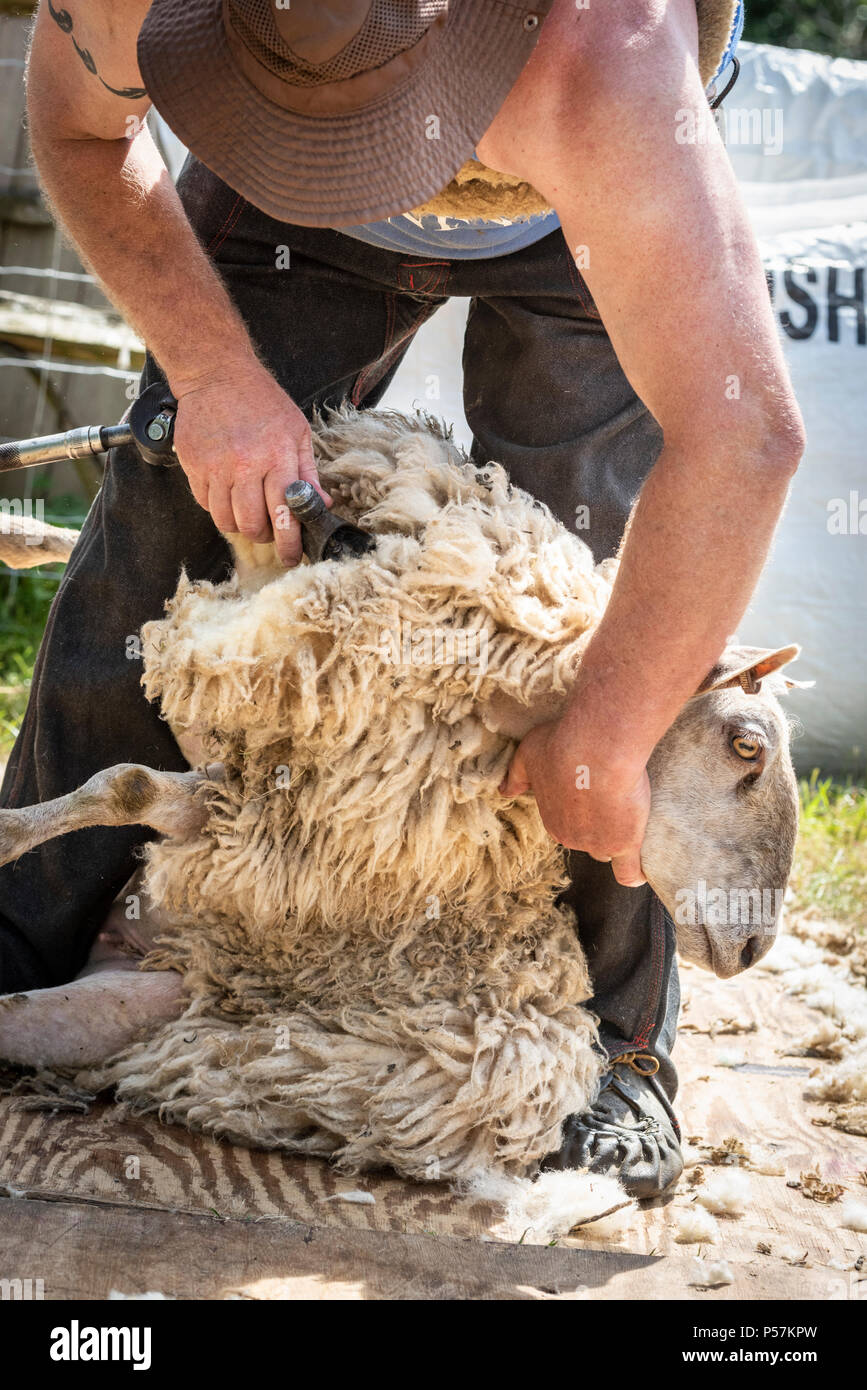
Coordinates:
[644,1063]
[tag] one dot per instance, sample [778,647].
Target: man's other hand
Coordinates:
[584,803]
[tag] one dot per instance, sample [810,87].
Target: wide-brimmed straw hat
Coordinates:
[330,114]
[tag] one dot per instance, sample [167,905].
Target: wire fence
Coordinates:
[43,366]
[81,277]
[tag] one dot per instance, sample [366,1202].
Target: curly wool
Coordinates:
[479,192]
[378,967]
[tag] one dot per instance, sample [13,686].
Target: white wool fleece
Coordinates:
[377,966]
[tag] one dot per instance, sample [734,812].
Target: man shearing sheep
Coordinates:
[326,210]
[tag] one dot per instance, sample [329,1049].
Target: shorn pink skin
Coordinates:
[108,1005]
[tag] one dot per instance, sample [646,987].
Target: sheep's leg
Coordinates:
[127,794]
[90,1019]
[109,1004]
[26,541]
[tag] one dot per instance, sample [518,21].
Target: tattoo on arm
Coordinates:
[63,20]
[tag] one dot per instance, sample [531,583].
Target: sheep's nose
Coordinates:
[757,947]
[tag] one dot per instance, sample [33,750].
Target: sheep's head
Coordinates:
[721,833]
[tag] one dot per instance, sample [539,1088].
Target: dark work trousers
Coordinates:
[544,396]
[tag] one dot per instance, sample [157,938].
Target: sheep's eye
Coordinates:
[746,747]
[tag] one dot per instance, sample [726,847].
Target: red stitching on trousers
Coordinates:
[361,379]
[219,237]
[442,279]
[389,350]
[433,284]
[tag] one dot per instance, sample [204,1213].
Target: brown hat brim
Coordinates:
[337,170]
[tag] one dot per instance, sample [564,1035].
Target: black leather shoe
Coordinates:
[630,1133]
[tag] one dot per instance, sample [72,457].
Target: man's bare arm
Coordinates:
[677,278]
[240,439]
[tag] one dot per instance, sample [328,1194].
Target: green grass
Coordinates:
[24,603]
[827,26]
[830,872]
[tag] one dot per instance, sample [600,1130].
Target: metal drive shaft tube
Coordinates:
[55,448]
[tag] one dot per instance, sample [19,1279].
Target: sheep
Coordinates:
[26,541]
[372,963]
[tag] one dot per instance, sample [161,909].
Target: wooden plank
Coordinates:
[76,330]
[111,1162]
[84,1252]
[104,1157]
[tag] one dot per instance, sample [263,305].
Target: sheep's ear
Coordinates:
[747,667]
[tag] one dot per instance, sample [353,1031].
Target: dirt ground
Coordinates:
[95,1202]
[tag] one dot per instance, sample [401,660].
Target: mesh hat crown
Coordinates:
[309,44]
[331,114]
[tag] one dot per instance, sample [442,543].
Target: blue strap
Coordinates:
[734,39]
